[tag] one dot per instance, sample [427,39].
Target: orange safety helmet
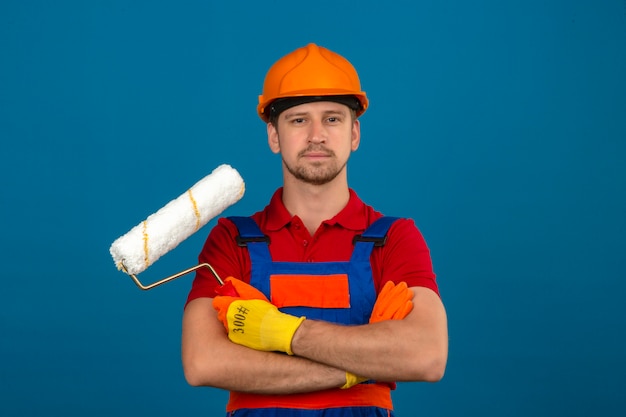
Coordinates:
[311,71]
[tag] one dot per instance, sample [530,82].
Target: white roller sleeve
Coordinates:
[164,230]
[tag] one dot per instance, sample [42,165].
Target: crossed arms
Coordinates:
[412,349]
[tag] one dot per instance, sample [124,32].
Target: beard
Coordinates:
[315,173]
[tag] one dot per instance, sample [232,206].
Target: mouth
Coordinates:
[316,154]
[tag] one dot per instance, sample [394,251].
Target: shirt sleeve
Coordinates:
[220,250]
[405,257]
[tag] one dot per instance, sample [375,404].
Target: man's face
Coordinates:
[315,140]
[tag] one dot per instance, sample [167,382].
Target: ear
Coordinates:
[272,138]
[356,135]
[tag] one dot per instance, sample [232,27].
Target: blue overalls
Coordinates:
[340,292]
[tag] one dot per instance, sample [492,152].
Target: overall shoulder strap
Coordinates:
[374,235]
[377,231]
[249,231]
[251,236]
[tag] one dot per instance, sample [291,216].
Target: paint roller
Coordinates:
[162,231]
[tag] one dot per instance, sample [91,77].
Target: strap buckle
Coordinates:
[378,241]
[242,242]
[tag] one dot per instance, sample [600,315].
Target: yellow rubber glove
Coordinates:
[352,380]
[257,324]
[394,302]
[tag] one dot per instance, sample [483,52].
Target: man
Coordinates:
[347,321]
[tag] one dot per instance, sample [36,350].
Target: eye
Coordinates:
[334,119]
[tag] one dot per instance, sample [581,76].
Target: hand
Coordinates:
[394,302]
[257,323]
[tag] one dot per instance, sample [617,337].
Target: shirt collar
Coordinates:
[351,217]
[277,214]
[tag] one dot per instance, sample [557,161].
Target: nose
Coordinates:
[318,132]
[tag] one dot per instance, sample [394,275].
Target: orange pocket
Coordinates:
[320,291]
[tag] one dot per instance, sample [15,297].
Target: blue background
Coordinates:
[499,126]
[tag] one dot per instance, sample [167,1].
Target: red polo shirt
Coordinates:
[404,257]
